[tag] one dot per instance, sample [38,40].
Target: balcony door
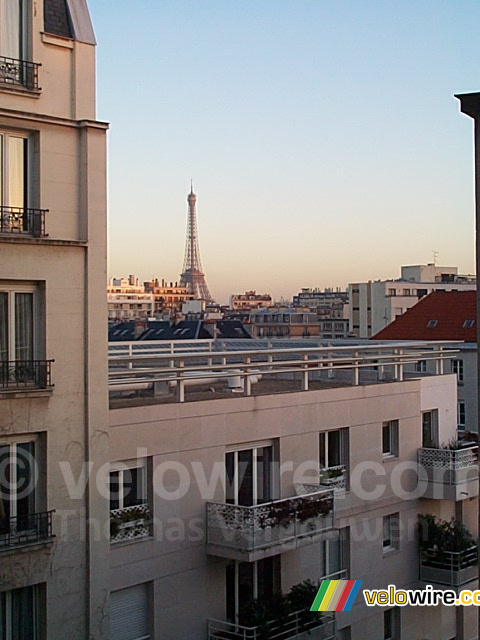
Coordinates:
[249,475]
[12,29]
[247,581]
[17,486]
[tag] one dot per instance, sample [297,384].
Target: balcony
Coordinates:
[23,221]
[448,474]
[25,375]
[300,624]
[451,568]
[129,523]
[334,477]
[251,533]
[25,529]
[19,73]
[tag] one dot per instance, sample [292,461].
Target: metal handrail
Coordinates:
[19,72]
[31,527]
[23,220]
[25,374]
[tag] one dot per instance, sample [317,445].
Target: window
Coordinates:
[430,428]
[406,292]
[431,324]
[421,366]
[17,486]
[461,415]
[334,455]
[246,581]
[391,624]
[21,346]
[249,475]
[129,509]
[130,613]
[333,555]
[19,613]
[390,532]
[13,41]
[392,292]
[457,367]
[390,438]
[468,324]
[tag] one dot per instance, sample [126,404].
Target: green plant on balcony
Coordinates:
[284,512]
[443,537]
[263,613]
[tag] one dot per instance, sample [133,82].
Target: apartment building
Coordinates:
[309,470]
[446,316]
[283,323]
[169,297]
[128,300]
[250,300]
[375,304]
[53,373]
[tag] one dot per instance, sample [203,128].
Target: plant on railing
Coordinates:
[306,508]
[331,473]
[443,537]
[138,517]
[263,613]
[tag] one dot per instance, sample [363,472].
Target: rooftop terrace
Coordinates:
[160,372]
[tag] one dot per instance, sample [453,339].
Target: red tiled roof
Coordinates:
[450,309]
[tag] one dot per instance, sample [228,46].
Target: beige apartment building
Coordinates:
[53,366]
[309,471]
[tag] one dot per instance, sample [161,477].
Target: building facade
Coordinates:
[250,300]
[373,305]
[53,373]
[245,496]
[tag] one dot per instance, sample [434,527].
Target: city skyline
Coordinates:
[324,141]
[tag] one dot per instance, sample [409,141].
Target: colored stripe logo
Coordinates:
[336,595]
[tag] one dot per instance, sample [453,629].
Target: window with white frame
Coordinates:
[461,415]
[421,366]
[130,514]
[390,532]
[333,458]
[20,614]
[333,554]
[14,175]
[250,474]
[247,581]
[20,330]
[457,368]
[128,485]
[390,439]
[430,428]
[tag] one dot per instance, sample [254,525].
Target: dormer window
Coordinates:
[468,324]
[431,324]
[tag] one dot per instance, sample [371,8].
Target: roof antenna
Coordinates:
[435,256]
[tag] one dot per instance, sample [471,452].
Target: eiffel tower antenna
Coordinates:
[192,275]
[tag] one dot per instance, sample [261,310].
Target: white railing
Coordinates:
[250,529]
[452,459]
[298,624]
[147,366]
[334,477]
[129,523]
[451,568]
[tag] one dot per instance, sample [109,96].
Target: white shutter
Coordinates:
[129,613]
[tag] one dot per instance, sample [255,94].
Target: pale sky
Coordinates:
[322,137]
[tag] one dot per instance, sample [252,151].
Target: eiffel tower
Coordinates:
[192,275]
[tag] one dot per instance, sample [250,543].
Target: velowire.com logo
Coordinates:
[336,595]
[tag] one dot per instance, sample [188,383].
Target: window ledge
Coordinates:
[26,547]
[19,90]
[58,41]
[127,543]
[25,393]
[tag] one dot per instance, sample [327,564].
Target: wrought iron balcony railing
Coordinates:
[25,374]
[300,624]
[23,220]
[250,533]
[19,73]
[452,568]
[25,529]
[129,523]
